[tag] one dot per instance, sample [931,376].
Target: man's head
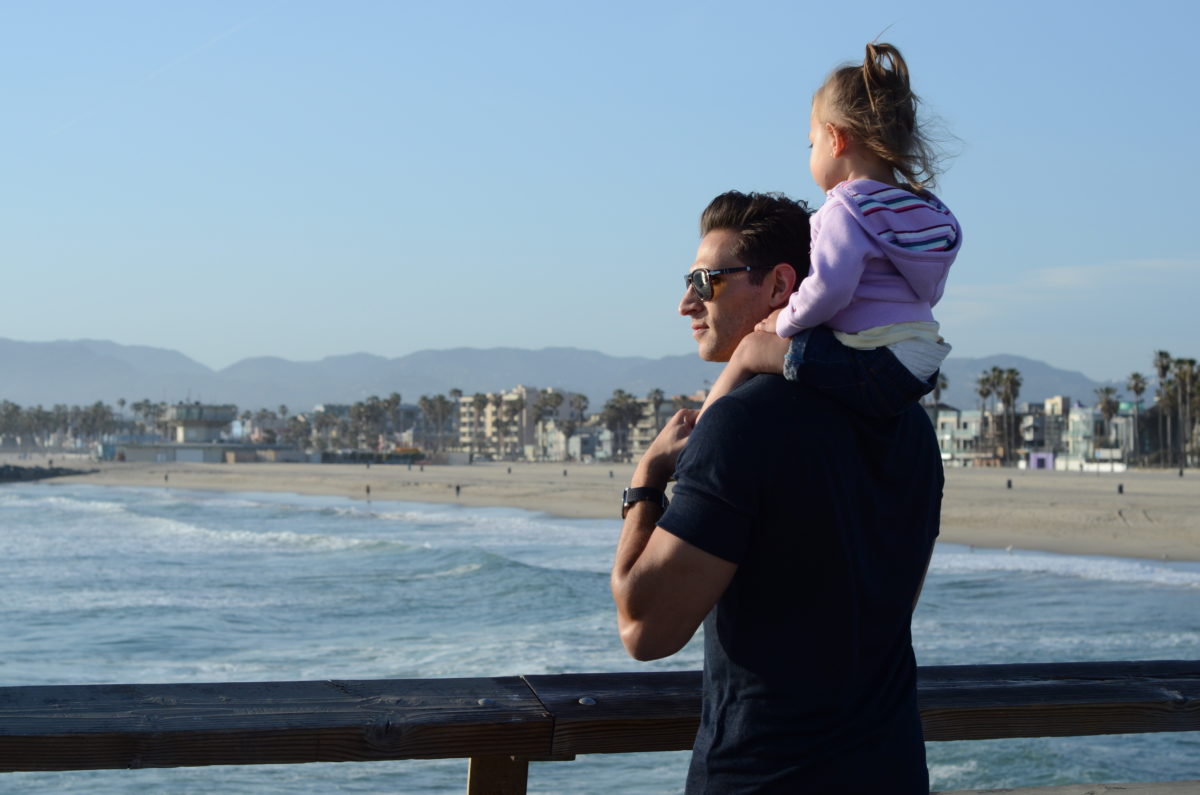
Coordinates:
[766,232]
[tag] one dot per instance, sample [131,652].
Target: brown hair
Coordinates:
[770,229]
[874,103]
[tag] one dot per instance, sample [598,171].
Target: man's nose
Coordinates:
[691,303]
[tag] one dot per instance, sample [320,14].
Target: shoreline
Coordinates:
[1156,517]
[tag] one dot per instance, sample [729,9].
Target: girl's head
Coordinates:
[871,109]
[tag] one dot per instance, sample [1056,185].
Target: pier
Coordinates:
[502,724]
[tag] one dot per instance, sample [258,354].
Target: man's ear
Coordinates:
[783,284]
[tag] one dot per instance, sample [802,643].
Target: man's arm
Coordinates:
[662,585]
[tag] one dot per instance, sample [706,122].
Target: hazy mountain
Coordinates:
[83,371]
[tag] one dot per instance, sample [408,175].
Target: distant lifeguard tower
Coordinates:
[192,423]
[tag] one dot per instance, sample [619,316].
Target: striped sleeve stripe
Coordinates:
[936,238]
[895,200]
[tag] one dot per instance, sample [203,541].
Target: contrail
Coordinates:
[156,73]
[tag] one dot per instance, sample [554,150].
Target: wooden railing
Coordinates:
[502,724]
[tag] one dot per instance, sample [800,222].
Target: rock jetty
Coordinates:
[10,473]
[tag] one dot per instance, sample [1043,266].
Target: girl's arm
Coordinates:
[760,351]
[840,247]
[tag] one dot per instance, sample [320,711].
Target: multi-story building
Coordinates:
[961,436]
[517,424]
[197,423]
[654,417]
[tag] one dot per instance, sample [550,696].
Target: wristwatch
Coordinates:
[643,493]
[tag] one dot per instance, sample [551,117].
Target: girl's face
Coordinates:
[823,161]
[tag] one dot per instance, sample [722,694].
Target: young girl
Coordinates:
[861,323]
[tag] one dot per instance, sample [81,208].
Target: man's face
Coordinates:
[718,325]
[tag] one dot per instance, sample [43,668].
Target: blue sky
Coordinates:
[307,179]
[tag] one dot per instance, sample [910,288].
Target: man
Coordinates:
[799,532]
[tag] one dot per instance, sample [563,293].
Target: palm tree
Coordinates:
[1185,382]
[515,410]
[655,398]
[391,408]
[579,404]
[1137,385]
[983,387]
[437,412]
[10,419]
[298,431]
[1106,402]
[497,400]
[1162,368]
[479,402]
[546,406]
[997,376]
[445,410]
[324,422]
[1010,389]
[620,413]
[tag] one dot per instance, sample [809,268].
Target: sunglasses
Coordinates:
[701,280]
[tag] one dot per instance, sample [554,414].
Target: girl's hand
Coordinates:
[761,352]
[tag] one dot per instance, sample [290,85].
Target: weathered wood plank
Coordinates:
[1103,670]
[623,712]
[497,775]
[1140,788]
[133,726]
[1059,699]
[537,717]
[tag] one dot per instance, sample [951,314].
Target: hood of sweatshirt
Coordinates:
[917,232]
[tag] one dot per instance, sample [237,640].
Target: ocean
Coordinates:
[164,585]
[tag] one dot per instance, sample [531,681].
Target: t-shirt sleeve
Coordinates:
[717,483]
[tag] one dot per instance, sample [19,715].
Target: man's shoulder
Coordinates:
[770,403]
[755,399]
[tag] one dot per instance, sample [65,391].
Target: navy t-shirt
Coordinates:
[809,675]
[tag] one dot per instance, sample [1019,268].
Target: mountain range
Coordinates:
[84,371]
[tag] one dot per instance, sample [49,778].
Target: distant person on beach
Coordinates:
[861,322]
[799,532]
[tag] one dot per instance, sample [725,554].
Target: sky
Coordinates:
[307,179]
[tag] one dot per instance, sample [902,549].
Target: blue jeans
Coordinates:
[873,383]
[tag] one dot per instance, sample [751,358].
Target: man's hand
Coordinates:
[662,585]
[658,463]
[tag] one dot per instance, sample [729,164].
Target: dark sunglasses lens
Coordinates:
[701,283]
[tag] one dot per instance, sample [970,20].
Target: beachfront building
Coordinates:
[961,436]
[655,413]
[519,424]
[1090,443]
[195,423]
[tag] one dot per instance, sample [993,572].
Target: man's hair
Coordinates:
[770,229]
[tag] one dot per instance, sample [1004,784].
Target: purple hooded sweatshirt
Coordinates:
[880,255]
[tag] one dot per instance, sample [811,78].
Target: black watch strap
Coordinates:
[643,493]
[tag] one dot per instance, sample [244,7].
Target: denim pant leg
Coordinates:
[872,382]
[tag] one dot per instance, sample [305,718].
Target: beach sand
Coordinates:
[1157,516]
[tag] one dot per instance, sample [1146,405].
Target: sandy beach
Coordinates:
[1157,516]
